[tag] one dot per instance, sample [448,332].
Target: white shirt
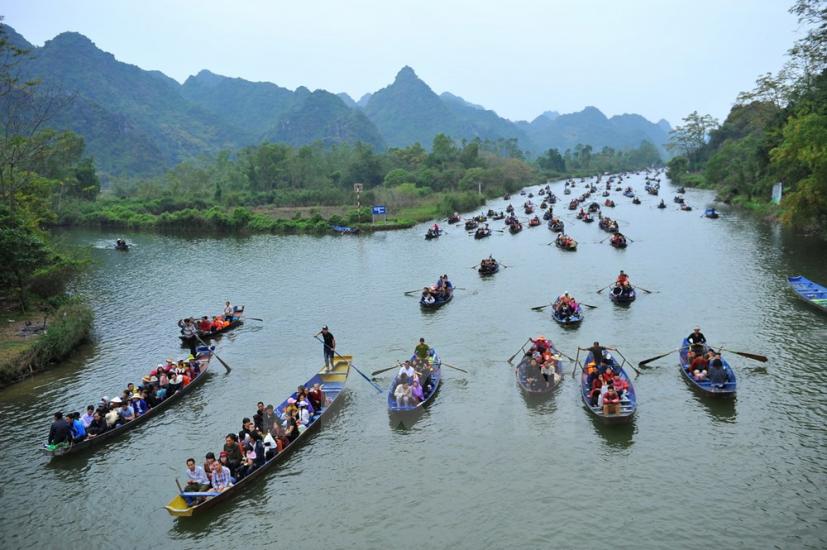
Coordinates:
[408,371]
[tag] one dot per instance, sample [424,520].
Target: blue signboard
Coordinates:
[379,210]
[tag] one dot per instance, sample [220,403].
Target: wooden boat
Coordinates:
[528,209]
[571,246]
[509,208]
[567,320]
[515,227]
[812,293]
[607,224]
[678,199]
[499,216]
[548,214]
[605,193]
[661,205]
[681,189]
[238,320]
[120,244]
[482,232]
[635,200]
[706,387]
[685,207]
[506,197]
[531,380]
[488,269]
[593,207]
[618,241]
[204,356]
[470,224]
[454,218]
[567,191]
[345,230]
[587,218]
[534,222]
[610,203]
[438,302]
[428,392]
[628,402]
[556,225]
[432,234]
[620,295]
[332,382]
[711,213]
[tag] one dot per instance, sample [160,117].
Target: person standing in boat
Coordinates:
[329,347]
[189,332]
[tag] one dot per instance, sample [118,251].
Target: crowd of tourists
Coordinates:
[413,383]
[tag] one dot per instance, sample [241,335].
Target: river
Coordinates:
[483,467]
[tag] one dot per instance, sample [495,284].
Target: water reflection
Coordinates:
[616,436]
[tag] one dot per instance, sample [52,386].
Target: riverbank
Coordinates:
[30,343]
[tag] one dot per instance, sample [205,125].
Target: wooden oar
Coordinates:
[474,266]
[254,319]
[453,367]
[371,382]
[656,357]
[374,373]
[626,361]
[644,290]
[541,308]
[588,305]
[408,293]
[522,348]
[753,356]
[220,360]
[604,288]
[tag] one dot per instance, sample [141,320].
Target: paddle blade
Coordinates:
[752,356]
[655,358]
[540,308]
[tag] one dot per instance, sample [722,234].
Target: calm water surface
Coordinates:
[483,467]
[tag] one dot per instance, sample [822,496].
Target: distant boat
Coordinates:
[711,213]
[345,230]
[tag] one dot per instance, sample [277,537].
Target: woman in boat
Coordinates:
[403,394]
[416,391]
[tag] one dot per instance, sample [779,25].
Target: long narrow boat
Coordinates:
[204,356]
[812,293]
[332,382]
[628,403]
[235,323]
[530,378]
[706,387]
[428,393]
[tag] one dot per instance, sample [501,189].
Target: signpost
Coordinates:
[379,210]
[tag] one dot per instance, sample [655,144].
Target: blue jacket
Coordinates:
[78,431]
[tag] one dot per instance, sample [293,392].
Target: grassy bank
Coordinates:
[22,356]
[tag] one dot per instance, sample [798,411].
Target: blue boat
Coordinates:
[428,391]
[531,380]
[345,230]
[621,295]
[711,213]
[706,387]
[572,320]
[628,402]
[812,293]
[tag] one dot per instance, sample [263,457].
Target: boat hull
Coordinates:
[809,291]
[628,406]
[436,381]
[705,387]
[333,384]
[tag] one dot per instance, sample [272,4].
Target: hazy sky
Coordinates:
[661,59]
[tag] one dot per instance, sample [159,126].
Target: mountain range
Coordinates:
[140,122]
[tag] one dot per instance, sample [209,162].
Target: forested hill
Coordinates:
[140,122]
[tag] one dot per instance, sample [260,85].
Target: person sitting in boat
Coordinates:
[618,239]
[717,374]
[76,427]
[139,404]
[204,325]
[113,415]
[221,477]
[197,481]
[403,394]
[98,425]
[611,401]
[416,391]
[435,228]
[623,280]
[698,367]
[233,452]
[407,370]
[662,204]
[126,413]
[447,287]
[428,295]
[316,397]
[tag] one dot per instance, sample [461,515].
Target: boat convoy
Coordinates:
[607,390]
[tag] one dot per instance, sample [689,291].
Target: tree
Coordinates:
[552,161]
[689,138]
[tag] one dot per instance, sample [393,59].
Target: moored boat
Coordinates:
[628,398]
[809,291]
[204,354]
[706,386]
[332,383]
[429,372]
